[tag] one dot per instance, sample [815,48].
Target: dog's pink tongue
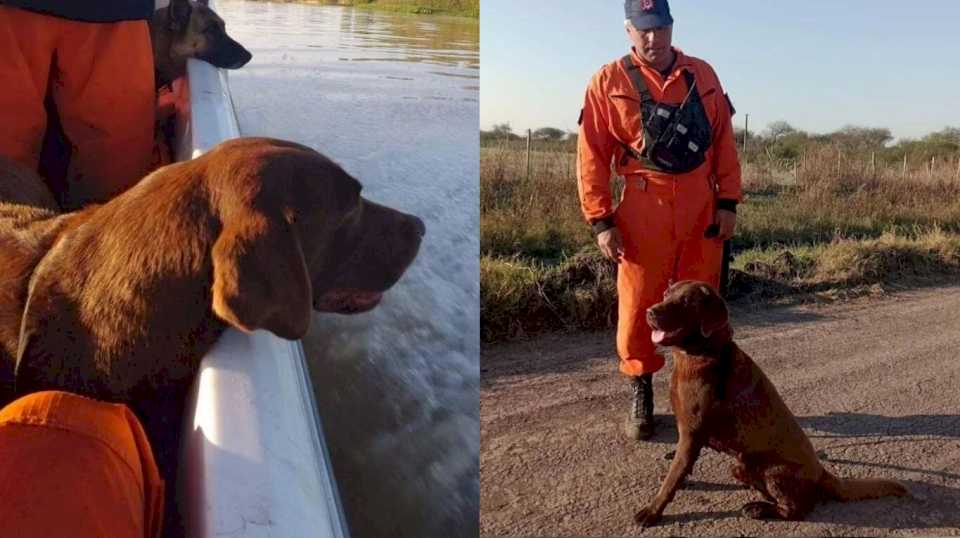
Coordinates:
[658,336]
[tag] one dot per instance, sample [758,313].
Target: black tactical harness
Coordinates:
[675,137]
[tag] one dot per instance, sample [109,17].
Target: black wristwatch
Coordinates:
[601,225]
[727,204]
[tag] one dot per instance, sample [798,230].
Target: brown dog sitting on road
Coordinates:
[126,297]
[185,30]
[723,400]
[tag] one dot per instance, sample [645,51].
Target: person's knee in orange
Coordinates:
[101,62]
[73,466]
[677,187]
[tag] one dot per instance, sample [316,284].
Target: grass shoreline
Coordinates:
[452,8]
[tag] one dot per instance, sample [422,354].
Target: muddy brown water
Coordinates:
[393,98]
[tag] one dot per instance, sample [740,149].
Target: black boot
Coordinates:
[639,423]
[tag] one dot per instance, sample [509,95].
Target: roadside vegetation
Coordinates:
[826,216]
[462,8]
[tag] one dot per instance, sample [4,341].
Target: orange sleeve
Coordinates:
[726,162]
[72,466]
[595,147]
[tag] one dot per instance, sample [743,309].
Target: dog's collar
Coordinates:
[725,331]
[724,365]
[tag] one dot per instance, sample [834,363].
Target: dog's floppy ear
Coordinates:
[179,14]
[260,278]
[714,315]
[26,376]
[36,368]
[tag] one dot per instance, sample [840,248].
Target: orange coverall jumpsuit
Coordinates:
[72,466]
[662,217]
[100,76]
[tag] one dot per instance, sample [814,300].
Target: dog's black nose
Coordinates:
[245,57]
[419,228]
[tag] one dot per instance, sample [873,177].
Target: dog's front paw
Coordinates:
[758,510]
[646,517]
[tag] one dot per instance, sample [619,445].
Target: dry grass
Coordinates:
[520,298]
[535,216]
[814,227]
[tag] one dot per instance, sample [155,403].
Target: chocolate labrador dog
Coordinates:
[723,400]
[255,234]
[30,222]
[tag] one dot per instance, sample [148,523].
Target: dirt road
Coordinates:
[874,383]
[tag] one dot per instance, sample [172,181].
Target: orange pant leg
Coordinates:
[104,92]
[72,466]
[645,218]
[699,258]
[27,42]
[662,222]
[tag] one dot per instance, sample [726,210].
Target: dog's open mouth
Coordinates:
[659,335]
[347,301]
[662,337]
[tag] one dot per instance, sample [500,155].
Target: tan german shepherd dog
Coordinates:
[187,29]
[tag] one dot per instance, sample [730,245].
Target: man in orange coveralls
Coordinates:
[95,59]
[663,120]
[72,466]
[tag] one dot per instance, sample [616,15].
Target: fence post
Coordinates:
[873,164]
[839,160]
[746,135]
[957,175]
[904,174]
[529,136]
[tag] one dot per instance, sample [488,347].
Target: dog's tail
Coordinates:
[857,489]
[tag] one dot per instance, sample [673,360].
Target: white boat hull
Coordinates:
[254,461]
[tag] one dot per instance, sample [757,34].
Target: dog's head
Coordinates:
[691,315]
[196,31]
[297,235]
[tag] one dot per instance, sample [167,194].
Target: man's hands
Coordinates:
[727,222]
[611,244]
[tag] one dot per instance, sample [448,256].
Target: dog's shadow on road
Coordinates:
[691,517]
[931,507]
[863,424]
[864,430]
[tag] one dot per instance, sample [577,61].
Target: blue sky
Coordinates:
[817,64]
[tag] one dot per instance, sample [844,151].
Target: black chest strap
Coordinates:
[641,86]
[676,158]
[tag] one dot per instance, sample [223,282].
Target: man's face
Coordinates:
[653,45]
